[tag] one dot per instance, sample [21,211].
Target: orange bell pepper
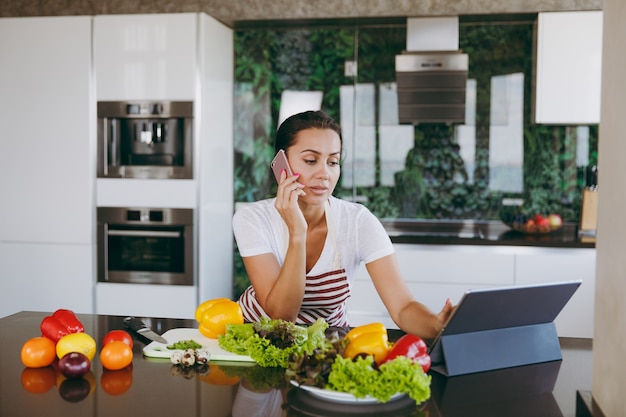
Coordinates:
[370,339]
[214,315]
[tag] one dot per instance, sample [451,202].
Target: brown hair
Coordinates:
[310,119]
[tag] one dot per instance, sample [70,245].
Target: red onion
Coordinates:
[74,365]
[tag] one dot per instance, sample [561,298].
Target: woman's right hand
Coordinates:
[445,313]
[289,190]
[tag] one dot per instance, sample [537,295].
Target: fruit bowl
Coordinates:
[519,218]
[537,224]
[533,229]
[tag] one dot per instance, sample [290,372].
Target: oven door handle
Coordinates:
[143,233]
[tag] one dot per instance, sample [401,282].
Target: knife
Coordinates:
[140,327]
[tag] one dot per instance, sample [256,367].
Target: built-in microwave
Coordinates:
[145,245]
[145,139]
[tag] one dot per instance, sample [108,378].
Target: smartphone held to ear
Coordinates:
[280,163]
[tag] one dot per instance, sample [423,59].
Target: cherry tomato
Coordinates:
[116,382]
[117,336]
[38,380]
[116,355]
[38,352]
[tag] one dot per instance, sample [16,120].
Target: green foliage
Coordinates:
[379,201]
[331,48]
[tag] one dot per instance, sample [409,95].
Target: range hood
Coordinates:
[431,75]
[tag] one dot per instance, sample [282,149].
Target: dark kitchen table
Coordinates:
[149,387]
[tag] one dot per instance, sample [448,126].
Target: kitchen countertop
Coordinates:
[472,232]
[149,387]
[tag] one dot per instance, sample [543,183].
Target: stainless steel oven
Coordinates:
[145,139]
[145,245]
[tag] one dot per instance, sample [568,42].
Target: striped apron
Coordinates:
[325,294]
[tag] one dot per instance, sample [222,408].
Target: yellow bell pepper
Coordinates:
[214,315]
[370,339]
[202,308]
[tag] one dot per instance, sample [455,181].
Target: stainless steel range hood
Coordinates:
[431,75]
[431,87]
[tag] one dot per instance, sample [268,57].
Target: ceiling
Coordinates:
[230,12]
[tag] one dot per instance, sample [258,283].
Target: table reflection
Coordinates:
[519,391]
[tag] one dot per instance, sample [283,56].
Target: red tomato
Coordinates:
[38,380]
[117,336]
[116,355]
[116,382]
[38,352]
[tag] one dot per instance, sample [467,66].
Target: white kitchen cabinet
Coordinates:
[142,300]
[569,67]
[47,118]
[216,160]
[121,192]
[197,62]
[47,188]
[145,56]
[46,277]
[434,273]
[558,264]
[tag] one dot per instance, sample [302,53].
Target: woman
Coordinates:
[302,248]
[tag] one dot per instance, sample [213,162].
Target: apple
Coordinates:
[541,221]
[555,220]
[530,226]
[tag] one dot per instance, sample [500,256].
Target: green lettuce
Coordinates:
[257,377]
[235,338]
[360,379]
[270,342]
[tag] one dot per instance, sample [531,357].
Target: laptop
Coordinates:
[490,312]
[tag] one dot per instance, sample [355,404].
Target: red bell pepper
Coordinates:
[413,348]
[62,322]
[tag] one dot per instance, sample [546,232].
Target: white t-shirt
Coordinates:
[358,235]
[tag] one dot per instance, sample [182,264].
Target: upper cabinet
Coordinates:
[569,68]
[145,57]
[46,115]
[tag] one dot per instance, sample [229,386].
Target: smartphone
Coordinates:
[279,163]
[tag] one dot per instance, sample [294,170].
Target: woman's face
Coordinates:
[315,155]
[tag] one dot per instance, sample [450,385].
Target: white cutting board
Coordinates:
[160,350]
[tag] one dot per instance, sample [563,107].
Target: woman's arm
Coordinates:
[280,290]
[410,315]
